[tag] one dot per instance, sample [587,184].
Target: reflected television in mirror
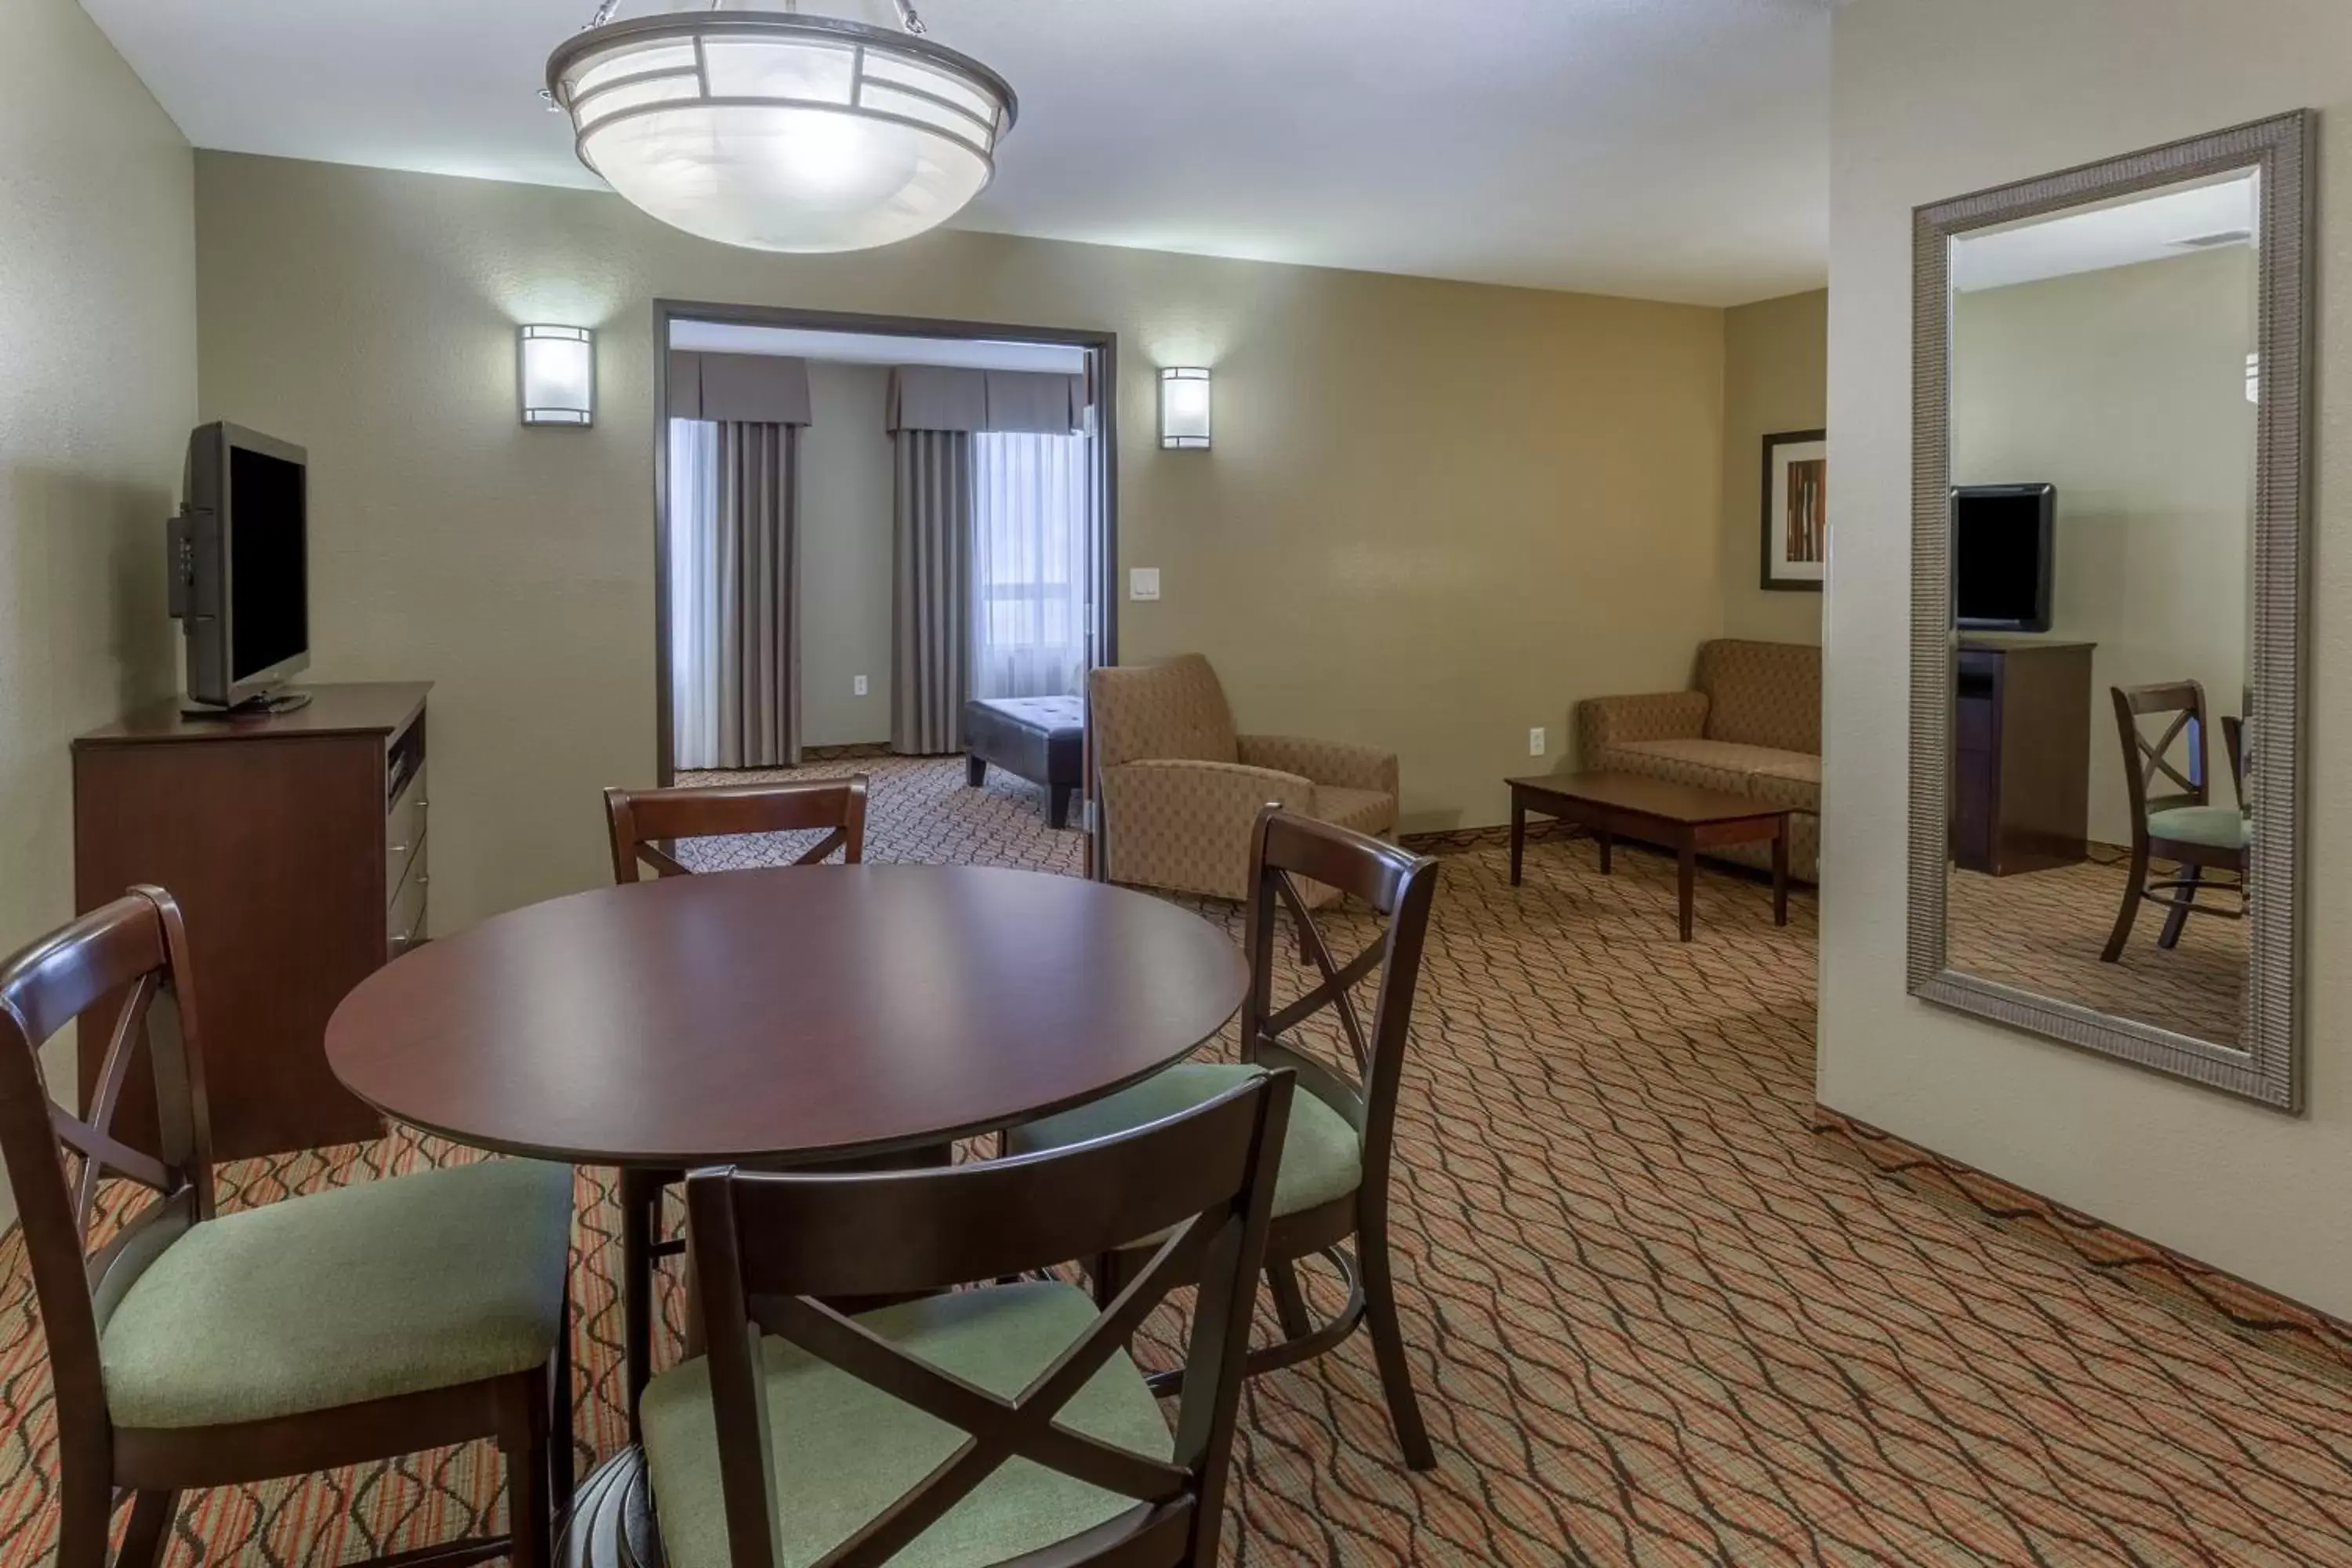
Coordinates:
[2002,556]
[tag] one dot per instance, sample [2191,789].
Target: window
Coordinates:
[694,611]
[1029,568]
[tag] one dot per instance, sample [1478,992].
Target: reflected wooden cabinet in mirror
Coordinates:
[2111,429]
[294,844]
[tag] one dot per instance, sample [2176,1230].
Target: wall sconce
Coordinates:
[557,375]
[1184,409]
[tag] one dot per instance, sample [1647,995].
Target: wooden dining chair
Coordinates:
[644,820]
[2183,827]
[643,824]
[1335,1174]
[191,1349]
[1000,1423]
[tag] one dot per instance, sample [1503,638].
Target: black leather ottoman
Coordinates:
[1041,739]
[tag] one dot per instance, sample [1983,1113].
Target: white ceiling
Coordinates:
[874,348]
[1668,149]
[2118,233]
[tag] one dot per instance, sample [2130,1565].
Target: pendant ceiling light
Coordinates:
[781,131]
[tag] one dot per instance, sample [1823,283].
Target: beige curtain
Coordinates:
[930,613]
[753,681]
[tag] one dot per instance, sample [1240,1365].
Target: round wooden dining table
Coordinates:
[799,1015]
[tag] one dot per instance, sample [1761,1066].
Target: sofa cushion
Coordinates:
[1784,778]
[1782,789]
[1174,711]
[1800,767]
[1788,778]
[1763,693]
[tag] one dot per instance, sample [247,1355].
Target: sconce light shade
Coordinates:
[1184,409]
[559,375]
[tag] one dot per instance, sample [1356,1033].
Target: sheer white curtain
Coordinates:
[694,622]
[1029,569]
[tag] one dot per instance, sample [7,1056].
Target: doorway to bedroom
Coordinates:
[886,547]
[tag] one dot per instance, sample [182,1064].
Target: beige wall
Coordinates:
[844,595]
[1775,379]
[1931,100]
[98,390]
[1437,514]
[2127,389]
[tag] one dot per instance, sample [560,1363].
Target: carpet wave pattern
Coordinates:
[1653,1319]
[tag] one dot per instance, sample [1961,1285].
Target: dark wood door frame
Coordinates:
[1102,344]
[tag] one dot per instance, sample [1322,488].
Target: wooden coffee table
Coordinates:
[1681,817]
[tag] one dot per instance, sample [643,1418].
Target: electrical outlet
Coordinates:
[1537,741]
[857,686]
[1143,583]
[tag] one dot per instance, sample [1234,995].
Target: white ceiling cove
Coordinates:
[1667,149]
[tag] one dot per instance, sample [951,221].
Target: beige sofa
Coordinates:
[1181,790]
[1752,727]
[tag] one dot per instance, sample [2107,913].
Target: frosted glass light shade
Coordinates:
[1184,409]
[557,375]
[781,133]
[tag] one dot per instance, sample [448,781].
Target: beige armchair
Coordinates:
[1181,790]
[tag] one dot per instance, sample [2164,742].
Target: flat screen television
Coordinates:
[2002,556]
[240,568]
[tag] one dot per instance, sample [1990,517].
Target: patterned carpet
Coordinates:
[2044,931]
[1654,1319]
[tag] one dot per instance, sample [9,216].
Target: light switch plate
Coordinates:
[1143,583]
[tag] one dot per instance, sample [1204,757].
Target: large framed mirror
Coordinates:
[2111,476]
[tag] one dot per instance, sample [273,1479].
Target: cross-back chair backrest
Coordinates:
[2158,724]
[768,1247]
[1285,850]
[644,820]
[134,949]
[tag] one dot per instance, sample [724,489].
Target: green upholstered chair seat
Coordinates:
[1322,1158]
[367,1292]
[842,1451]
[2215,826]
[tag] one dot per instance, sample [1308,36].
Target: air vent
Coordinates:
[2217,237]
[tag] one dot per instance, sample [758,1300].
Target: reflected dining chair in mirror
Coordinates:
[645,825]
[1334,1169]
[194,1348]
[2183,827]
[2112,419]
[1004,1422]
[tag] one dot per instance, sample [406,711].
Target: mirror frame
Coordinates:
[2268,1066]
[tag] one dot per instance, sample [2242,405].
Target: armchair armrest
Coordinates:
[1186,825]
[1209,785]
[1605,721]
[1334,762]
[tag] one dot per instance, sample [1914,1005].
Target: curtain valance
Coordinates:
[944,397]
[747,389]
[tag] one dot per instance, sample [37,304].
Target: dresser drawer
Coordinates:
[403,921]
[404,833]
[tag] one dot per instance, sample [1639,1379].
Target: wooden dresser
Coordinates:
[2021,755]
[296,845]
